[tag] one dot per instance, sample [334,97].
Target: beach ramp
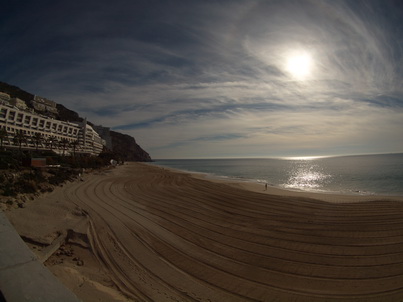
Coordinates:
[22,276]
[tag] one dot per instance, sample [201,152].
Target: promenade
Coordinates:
[22,276]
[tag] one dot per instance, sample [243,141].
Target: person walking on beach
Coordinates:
[265,186]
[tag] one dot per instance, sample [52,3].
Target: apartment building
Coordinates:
[90,139]
[20,104]
[44,105]
[4,96]
[13,120]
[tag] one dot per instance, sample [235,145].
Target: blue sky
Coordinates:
[239,78]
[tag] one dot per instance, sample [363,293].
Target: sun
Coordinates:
[299,65]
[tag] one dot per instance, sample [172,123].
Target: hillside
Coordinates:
[122,144]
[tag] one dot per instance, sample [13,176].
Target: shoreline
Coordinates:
[152,233]
[255,186]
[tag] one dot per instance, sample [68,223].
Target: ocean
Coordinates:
[359,174]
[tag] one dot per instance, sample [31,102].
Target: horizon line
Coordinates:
[305,157]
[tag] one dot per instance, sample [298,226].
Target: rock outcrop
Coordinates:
[124,145]
[68,115]
[16,92]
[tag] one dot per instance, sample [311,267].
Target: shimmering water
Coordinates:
[363,174]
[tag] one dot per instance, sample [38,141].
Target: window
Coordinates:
[19,117]
[3,112]
[41,123]
[11,115]
[27,119]
[35,121]
[47,125]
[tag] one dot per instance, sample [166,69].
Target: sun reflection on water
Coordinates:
[303,157]
[306,175]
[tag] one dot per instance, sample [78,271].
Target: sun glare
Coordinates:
[304,157]
[299,65]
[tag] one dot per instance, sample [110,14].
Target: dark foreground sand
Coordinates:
[158,235]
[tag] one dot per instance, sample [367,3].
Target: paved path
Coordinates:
[22,276]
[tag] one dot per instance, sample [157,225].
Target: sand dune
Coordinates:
[168,236]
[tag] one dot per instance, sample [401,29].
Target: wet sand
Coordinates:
[154,234]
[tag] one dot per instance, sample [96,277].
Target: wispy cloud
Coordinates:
[208,78]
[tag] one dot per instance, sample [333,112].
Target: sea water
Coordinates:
[360,174]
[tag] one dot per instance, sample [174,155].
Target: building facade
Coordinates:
[42,132]
[44,105]
[20,104]
[4,96]
[105,134]
[90,139]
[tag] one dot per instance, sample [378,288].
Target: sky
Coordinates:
[213,79]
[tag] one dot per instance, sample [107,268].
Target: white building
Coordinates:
[44,105]
[14,120]
[90,139]
[4,96]
[18,103]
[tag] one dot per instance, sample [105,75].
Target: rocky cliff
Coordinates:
[126,146]
[66,114]
[123,145]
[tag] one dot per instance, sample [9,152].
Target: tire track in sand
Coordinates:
[166,236]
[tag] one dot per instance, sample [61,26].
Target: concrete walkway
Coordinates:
[22,276]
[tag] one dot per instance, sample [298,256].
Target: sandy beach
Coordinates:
[144,233]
